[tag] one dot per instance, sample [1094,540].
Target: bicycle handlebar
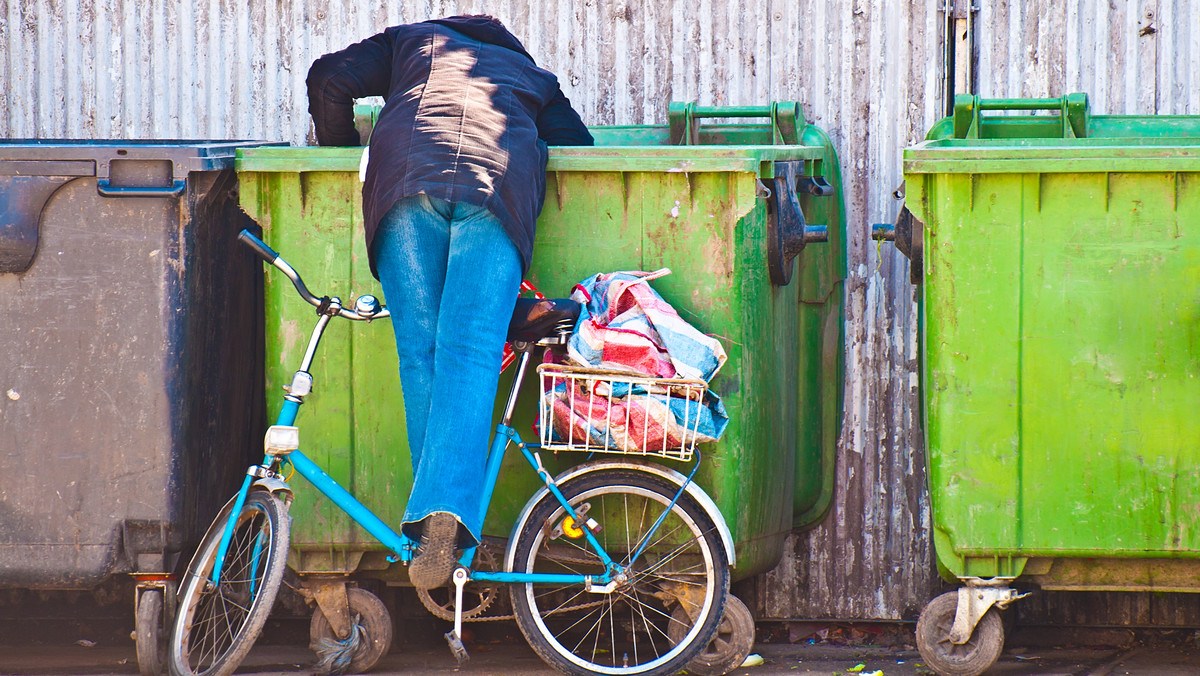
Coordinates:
[325,305]
[258,246]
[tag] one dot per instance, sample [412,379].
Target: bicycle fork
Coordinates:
[282,439]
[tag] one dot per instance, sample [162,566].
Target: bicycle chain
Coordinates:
[582,606]
[556,611]
[476,617]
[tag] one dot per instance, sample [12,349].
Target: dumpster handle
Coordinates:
[787,121]
[908,234]
[1073,113]
[105,188]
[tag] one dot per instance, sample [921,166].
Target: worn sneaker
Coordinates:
[434,562]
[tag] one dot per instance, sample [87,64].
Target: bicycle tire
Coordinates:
[215,627]
[627,632]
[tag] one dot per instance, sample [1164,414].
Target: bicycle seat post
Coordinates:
[525,350]
[560,336]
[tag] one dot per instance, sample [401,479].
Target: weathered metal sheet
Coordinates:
[869,73]
[871,79]
[1136,57]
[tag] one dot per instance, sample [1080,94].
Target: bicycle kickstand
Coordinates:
[454,638]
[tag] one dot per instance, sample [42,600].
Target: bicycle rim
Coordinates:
[217,624]
[628,631]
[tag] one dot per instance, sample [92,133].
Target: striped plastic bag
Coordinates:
[626,326]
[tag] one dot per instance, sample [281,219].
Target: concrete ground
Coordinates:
[1030,652]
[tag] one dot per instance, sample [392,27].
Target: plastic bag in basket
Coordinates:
[627,326]
[632,419]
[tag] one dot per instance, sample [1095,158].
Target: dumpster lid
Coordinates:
[86,157]
[688,159]
[32,170]
[1064,137]
[1053,156]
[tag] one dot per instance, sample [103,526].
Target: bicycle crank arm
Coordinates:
[454,638]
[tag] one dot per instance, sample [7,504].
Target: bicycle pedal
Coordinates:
[457,648]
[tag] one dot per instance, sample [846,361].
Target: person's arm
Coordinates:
[559,125]
[335,80]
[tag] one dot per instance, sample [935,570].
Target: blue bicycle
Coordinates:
[616,566]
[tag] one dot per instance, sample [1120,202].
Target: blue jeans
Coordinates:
[450,276]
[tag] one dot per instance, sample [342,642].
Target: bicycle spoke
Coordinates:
[626,630]
[595,627]
[221,621]
[598,609]
[662,538]
[583,549]
[677,579]
[564,604]
[651,627]
[606,611]
[641,604]
[670,557]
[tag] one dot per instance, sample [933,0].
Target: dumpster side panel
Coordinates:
[716,250]
[1061,358]
[820,274]
[218,409]
[1110,330]
[119,418]
[71,415]
[972,287]
[587,225]
[709,229]
[314,219]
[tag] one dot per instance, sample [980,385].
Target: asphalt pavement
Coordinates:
[1030,652]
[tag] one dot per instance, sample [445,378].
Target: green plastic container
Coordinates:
[635,201]
[1061,342]
[1061,349]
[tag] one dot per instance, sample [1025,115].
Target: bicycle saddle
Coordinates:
[534,319]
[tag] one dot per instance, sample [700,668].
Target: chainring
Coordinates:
[477,596]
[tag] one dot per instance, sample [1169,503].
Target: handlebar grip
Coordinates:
[260,247]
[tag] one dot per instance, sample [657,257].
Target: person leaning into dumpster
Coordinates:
[455,180]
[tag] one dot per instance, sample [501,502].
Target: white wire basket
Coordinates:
[598,410]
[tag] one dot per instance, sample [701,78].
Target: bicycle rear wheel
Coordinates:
[217,624]
[628,631]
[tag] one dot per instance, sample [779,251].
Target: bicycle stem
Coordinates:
[311,352]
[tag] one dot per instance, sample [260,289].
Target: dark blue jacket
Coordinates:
[467,118]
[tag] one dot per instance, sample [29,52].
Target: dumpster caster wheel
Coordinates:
[369,640]
[149,636]
[729,646]
[969,659]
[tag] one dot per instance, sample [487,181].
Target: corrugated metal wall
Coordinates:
[872,557]
[869,72]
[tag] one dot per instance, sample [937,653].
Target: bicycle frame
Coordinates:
[403,547]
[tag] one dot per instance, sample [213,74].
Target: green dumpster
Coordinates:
[1061,349]
[709,201]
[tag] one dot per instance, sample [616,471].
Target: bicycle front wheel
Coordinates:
[681,576]
[218,623]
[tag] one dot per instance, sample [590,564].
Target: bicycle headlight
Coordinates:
[282,439]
